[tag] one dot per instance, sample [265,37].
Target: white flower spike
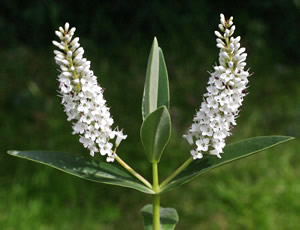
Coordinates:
[226,88]
[83,98]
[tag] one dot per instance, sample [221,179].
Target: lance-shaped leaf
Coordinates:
[156,89]
[85,168]
[168,218]
[155,133]
[231,153]
[163,97]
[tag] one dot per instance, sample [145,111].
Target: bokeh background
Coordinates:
[261,192]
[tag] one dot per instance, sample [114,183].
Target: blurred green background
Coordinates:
[261,192]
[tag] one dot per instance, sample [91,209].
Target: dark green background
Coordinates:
[261,192]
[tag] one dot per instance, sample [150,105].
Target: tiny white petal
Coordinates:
[217,33]
[59,34]
[189,138]
[56,43]
[67,25]
[72,31]
[220,46]
[65,62]
[213,121]
[221,27]
[75,40]
[61,29]
[82,98]
[67,74]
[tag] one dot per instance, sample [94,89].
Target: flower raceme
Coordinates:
[225,91]
[86,107]
[83,98]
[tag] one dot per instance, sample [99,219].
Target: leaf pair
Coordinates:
[107,173]
[156,128]
[101,172]
[155,134]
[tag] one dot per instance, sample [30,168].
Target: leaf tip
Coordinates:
[12,152]
[155,42]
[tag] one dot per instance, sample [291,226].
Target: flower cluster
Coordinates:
[83,98]
[226,88]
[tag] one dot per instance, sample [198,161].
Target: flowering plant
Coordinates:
[85,106]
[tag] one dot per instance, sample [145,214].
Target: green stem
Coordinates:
[133,172]
[174,174]
[155,198]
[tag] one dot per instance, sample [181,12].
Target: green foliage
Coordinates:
[156,89]
[261,192]
[85,168]
[232,152]
[163,94]
[155,133]
[168,217]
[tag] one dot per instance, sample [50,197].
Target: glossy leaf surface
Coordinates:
[155,133]
[231,153]
[156,89]
[84,167]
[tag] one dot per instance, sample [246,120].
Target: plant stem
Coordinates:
[155,198]
[133,172]
[174,174]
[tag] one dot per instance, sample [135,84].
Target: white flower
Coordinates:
[120,137]
[83,98]
[226,88]
[196,154]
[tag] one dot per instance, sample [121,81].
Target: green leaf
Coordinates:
[168,218]
[156,89]
[84,167]
[155,133]
[163,90]
[231,153]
